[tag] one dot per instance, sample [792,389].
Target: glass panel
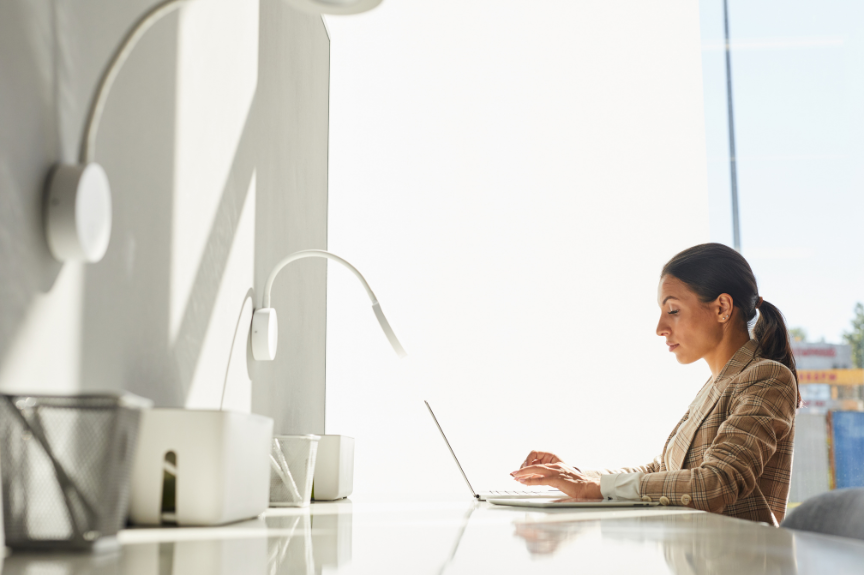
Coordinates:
[796,95]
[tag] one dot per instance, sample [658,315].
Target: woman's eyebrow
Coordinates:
[669,297]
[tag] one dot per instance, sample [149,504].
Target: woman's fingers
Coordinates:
[556,481]
[533,480]
[561,477]
[535,457]
[525,470]
[574,489]
[530,458]
[530,470]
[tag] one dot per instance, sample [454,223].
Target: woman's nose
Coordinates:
[662,328]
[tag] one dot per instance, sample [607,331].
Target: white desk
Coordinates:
[459,536]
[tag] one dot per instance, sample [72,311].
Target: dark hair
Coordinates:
[712,269]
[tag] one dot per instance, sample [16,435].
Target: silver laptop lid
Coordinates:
[451,448]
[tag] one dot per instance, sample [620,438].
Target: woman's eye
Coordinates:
[673,312]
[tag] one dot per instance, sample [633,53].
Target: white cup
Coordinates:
[292,468]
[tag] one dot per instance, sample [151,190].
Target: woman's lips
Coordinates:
[672,346]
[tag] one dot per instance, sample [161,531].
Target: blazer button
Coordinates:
[646,498]
[686,499]
[664,501]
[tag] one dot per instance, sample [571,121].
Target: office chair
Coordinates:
[837,512]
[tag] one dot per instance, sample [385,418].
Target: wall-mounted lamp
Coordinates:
[77,202]
[78,196]
[265,331]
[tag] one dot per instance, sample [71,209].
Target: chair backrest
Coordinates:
[837,512]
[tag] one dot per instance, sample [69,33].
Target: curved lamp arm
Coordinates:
[265,331]
[88,144]
[97,106]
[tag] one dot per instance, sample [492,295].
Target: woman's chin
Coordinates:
[684,357]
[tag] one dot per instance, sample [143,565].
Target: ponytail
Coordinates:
[773,340]
[712,269]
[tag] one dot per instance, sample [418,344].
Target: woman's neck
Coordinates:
[719,356]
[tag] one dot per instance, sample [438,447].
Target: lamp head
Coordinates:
[78,213]
[388,331]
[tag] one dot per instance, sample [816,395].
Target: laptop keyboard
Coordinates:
[519,492]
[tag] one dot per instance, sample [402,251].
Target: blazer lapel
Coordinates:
[682,441]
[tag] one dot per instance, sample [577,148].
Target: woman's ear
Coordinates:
[724,308]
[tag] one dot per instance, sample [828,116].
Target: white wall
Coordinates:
[215,142]
[510,177]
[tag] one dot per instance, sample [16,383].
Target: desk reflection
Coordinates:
[292,544]
[691,544]
[308,544]
[430,538]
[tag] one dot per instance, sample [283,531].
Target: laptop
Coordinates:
[558,503]
[539,497]
[520,493]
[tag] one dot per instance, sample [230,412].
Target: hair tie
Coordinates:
[759,302]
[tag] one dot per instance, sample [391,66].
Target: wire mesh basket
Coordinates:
[65,463]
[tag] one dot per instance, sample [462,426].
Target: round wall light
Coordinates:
[78,213]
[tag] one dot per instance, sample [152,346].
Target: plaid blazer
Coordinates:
[735,451]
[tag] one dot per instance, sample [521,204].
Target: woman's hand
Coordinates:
[563,477]
[541,457]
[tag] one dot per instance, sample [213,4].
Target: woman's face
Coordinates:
[689,326]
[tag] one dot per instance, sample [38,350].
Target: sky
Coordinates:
[797,76]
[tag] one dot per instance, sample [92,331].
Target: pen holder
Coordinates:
[292,467]
[65,468]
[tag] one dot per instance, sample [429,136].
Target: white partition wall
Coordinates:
[510,177]
[214,139]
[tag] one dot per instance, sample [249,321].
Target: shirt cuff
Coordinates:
[621,486]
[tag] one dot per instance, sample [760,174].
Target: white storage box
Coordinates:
[219,462]
[334,468]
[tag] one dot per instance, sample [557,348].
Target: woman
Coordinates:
[733,450]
